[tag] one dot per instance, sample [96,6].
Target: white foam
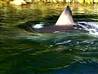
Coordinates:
[93,31]
[38,26]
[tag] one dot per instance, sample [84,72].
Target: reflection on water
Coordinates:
[24,52]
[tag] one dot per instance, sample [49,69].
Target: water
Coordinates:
[24,52]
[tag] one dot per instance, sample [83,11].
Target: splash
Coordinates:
[91,27]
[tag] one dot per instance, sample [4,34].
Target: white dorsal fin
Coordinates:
[65,18]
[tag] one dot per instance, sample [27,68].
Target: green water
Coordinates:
[24,52]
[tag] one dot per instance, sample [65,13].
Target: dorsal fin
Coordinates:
[65,17]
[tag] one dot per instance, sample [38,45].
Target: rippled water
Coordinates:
[25,52]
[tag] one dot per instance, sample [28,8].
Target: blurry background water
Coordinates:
[25,52]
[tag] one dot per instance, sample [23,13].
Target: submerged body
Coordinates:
[53,29]
[64,23]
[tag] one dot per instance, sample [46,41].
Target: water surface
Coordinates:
[25,52]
